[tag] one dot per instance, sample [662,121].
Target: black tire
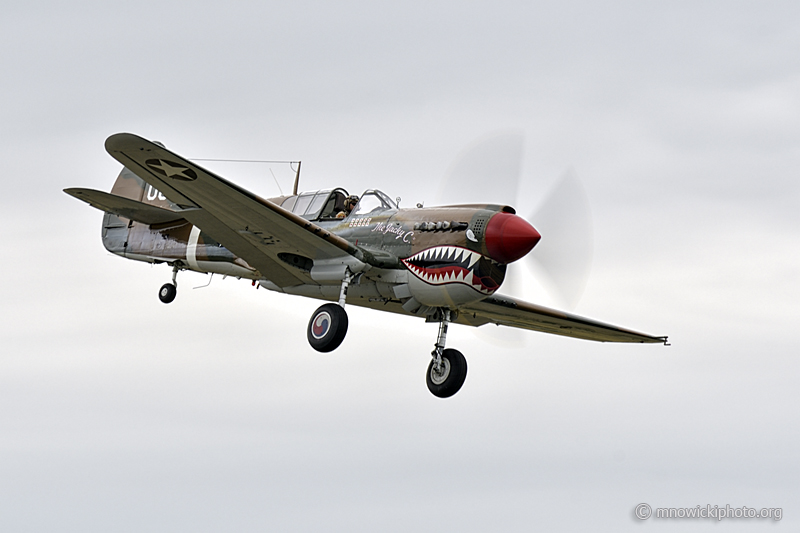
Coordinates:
[451,380]
[327,328]
[167,293]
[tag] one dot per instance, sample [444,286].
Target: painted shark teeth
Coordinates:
[446,254]
[441,265]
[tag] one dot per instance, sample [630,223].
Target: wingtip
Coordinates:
[121,141]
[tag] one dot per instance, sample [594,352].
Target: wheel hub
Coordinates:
[439,375]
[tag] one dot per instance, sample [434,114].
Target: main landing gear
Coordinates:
[168,291]
[448,369]
[328,325]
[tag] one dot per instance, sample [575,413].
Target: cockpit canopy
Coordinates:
[316,204]
[326,204]
[373,201]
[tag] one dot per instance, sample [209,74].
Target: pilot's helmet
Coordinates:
[351,201]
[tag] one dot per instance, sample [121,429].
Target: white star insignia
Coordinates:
[169,170]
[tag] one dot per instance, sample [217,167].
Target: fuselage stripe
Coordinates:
[191,248]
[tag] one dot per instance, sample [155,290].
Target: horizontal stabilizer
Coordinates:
[124,207]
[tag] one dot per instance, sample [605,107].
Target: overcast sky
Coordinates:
[119,413]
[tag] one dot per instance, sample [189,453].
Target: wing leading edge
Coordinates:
[251,227]
[515,313]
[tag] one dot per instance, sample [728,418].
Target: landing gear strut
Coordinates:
[328,325]
[168,291]
[448,369]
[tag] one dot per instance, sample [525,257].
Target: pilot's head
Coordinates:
[350,202]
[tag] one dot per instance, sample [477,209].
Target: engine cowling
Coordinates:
[456,274]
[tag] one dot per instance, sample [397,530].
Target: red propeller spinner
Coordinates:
[509,237]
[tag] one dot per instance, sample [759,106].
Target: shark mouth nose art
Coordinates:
[442,265]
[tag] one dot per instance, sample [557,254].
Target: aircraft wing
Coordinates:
[251,227]
[515,313]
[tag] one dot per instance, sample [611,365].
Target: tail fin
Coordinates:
[129,185]
[115,228]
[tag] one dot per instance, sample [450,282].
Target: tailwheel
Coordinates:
[167,293]
[447,379]
[327,327]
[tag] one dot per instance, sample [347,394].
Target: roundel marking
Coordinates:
[171,169]
[322,323]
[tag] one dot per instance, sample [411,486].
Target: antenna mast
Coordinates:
[297,178]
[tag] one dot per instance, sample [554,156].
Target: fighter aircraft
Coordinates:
[444,264]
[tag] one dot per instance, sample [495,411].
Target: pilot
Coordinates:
[349,203]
